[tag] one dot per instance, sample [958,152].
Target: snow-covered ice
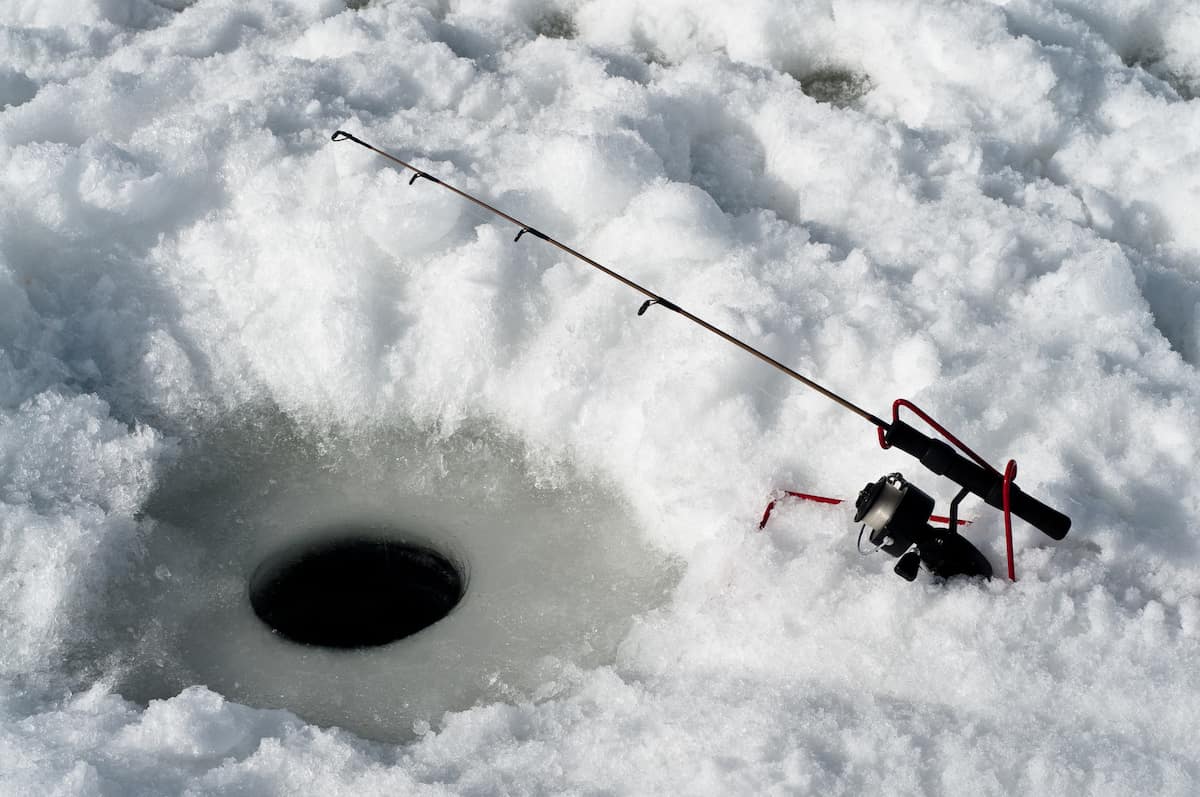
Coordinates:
[987,207]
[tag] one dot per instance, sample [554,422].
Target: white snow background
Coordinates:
[987,207]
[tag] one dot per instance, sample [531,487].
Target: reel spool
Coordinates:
[898,514]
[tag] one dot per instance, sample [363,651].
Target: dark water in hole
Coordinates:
[354,591]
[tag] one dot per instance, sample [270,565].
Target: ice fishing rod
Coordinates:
[893,508]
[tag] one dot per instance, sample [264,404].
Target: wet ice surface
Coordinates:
[986,208]
[553,570]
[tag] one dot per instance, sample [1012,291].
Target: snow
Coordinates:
[986,207]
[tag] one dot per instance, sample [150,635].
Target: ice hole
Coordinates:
[556,25]
[368,577]
[354,591]
[838,87]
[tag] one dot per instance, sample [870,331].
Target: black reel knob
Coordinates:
[908,565]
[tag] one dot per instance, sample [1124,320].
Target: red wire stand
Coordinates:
[1009,475]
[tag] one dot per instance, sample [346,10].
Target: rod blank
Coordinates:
[652,298]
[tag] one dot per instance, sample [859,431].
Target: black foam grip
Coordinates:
[1045,519]
[943,460]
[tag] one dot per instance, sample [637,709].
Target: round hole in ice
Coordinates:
[350,590]
[550,564]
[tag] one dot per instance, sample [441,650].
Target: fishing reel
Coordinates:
[898,514]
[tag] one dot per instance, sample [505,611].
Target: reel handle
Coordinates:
[943,460]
